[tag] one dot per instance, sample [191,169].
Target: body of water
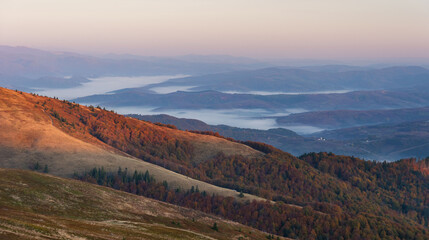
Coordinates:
[170,89]
[287,93]
[104,85]
[242,118]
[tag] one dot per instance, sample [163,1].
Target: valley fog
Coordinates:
[242,118]
[104,85]
[264,93]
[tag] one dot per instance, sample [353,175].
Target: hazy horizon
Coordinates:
[332,29]
[274,61]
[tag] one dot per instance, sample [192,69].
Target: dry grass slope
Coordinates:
[40,206]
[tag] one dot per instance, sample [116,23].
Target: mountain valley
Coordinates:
[237,177]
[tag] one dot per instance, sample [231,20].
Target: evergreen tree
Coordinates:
[46,170]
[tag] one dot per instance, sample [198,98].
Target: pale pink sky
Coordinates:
[256,28]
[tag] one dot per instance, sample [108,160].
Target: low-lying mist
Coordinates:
[243,118]
[104,85]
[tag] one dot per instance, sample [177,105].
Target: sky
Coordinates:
[318,29]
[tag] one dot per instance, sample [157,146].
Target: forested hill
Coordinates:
[316,196]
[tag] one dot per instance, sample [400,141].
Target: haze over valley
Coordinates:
[221,119]
[308,100]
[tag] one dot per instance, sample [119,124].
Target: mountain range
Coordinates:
[318,195]
[27,68]
[161,177]
[403,137]
[349,118]
[359,100]
[286,79]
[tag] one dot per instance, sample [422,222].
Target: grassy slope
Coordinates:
[40,206]
[29,134]
[27,108]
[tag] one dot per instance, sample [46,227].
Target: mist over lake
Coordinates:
[170,89]
[103,85]
[243,118]
[264,93]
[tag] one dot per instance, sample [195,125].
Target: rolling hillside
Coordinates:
[38,129]
[40,206]
[311,197]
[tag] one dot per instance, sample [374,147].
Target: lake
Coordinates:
[104,85]
[243,118]
[264,93]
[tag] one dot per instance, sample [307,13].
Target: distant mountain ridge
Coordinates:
[285,79]
[213,72]
[350,118]
[378,142]
[28,65]
[358,100]
[29,62]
